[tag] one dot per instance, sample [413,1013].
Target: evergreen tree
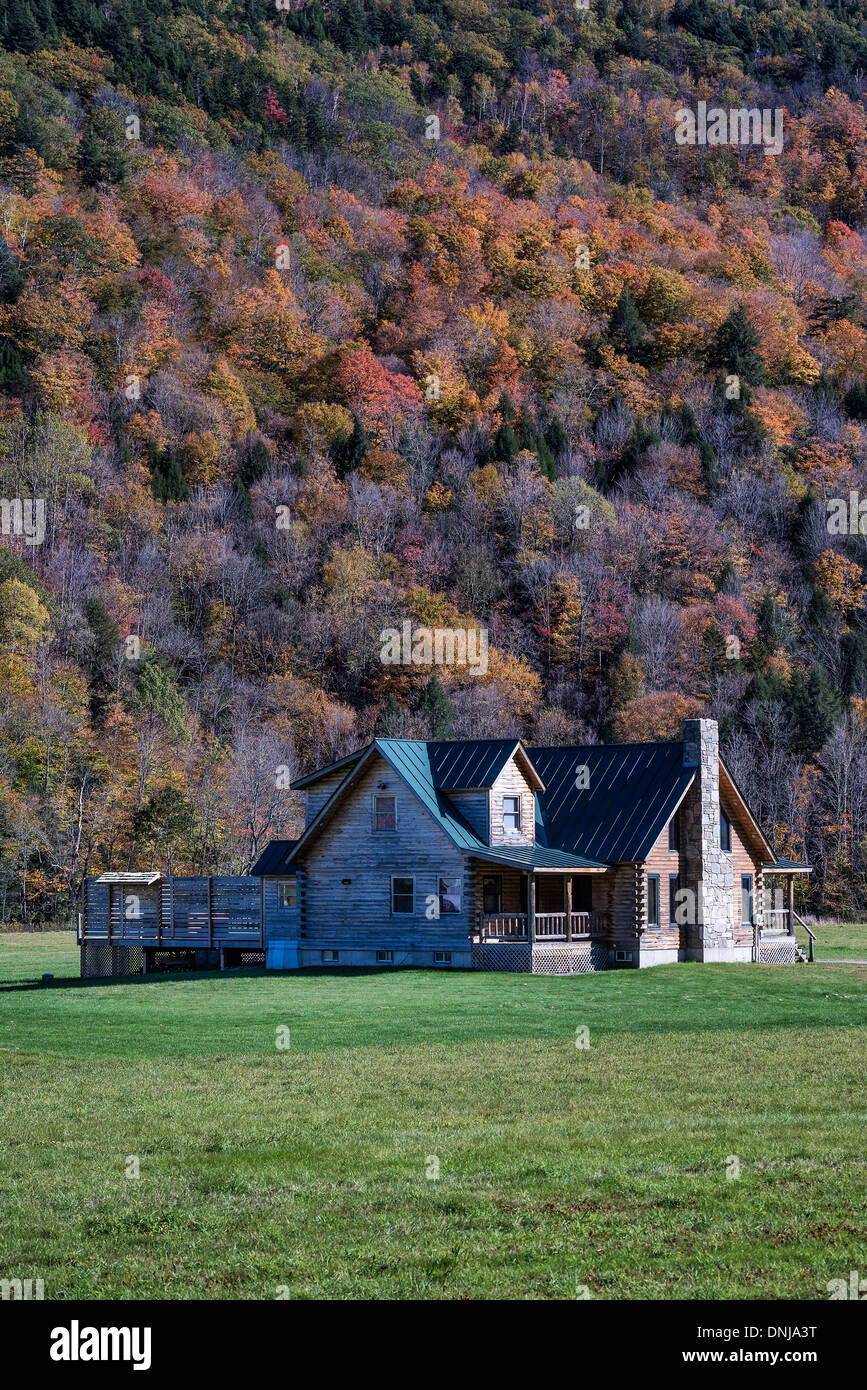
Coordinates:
[348,454]
[817,706]
[626,331]
[505,443]
[735,348]
[11,280]
[167,481]
[437,708]
[103,654]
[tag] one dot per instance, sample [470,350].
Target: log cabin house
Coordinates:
[488,854]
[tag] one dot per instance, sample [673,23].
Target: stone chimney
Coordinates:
[706,869]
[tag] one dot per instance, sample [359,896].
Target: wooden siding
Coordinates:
[662,861]
[512,782]
[281,923]
[358,913]
[317,795]
[743,862]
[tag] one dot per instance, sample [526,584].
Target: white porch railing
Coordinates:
[776,919]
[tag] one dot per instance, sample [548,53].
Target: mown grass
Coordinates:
[559,1166]
[836,940]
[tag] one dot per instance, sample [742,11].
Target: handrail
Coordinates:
[811,951]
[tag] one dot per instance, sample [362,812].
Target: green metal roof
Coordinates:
[632,791]
[538,857]
[787,865]
[469,763]
[411,759]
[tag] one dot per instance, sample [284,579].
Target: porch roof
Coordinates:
[140,880]
[272,860]
[787,866]
[539,859]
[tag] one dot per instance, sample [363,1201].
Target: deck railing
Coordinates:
[181,911]
[549,926]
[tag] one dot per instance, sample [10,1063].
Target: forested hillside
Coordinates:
[320,318]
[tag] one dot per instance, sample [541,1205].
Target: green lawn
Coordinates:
[559,1167]
[835,940]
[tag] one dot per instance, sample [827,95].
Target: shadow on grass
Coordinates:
[351,972]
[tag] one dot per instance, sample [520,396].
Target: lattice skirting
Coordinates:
[505,955]
[569,960]
[251,957]
[777,952]
[543,960]
[102,962]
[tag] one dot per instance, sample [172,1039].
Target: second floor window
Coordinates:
[383,813]
[511,813]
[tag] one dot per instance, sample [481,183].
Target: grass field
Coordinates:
[560,1167]
[837,939]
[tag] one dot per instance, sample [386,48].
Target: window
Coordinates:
[653,900]
[492,893]
[287,893]
[511,813]
[450,895]
[725,831]
[442,957]
[747,899]
[329,957]
[673,881]
[623,955]
[383,813]
[384,957]
[403,895]
[674,832]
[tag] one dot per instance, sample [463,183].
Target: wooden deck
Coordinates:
[181,912]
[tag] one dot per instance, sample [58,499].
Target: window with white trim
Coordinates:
[511,813]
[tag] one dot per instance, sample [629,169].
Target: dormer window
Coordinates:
[511,813]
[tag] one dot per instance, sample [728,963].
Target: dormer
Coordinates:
[493,783]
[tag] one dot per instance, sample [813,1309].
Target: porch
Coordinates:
[540,905]
[775,941]
[541,926]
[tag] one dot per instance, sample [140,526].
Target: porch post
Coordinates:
[567,897]
[791,904]
[531,910]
